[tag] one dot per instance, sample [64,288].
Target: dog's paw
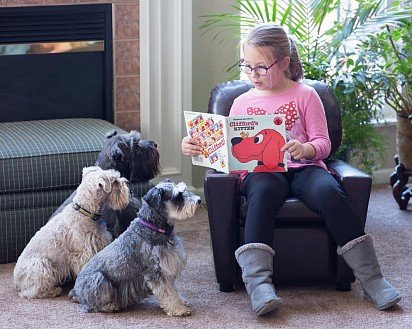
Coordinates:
[34,294]
[72,297]
[180,310]
[109,308]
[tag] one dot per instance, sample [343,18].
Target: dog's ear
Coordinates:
[135,135]
[154,197]
[134,138]
[271,153]
[111,133]
[116,153]
[181,187]
[88,170]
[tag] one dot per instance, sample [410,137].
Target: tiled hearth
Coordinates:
[126,55]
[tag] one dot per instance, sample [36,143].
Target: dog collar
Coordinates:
[154,227]
[86,212]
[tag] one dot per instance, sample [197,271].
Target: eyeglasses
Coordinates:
[259,70]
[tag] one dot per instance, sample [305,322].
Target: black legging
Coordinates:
[318,190]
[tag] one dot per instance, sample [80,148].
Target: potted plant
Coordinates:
[390,54]
[326,55]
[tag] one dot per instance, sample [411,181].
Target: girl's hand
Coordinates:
[298,150]
[190,146]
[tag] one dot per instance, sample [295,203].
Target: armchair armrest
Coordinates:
[355,182]
[221,200]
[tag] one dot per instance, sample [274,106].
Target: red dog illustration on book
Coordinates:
[264,147]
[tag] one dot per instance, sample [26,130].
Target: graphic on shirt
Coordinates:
[255,111]
[290,110]
[293,124]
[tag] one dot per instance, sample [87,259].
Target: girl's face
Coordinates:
[275,77]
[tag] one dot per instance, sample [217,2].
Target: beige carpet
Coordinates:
[305,306]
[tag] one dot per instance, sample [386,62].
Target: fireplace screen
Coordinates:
[56,62]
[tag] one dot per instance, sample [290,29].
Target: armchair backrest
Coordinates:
[223,95]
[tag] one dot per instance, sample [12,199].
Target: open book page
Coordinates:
[255,143]
[210,130]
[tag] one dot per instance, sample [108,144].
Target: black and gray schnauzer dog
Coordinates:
[137,160]
[146,259]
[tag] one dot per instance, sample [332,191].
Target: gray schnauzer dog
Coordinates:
[59,250]
[147,258]
[137,160]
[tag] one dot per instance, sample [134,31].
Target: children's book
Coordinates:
[250,143]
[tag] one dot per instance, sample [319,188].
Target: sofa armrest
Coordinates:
[221,200]
[355,182]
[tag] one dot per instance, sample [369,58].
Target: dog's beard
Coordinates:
[180,213]
[147,169]
[119,198]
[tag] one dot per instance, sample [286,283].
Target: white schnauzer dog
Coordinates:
[137,160]
[146,259]
[59,250]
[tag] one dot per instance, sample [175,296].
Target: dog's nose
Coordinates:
[236,140]
[199,201]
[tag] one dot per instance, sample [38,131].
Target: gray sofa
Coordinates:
[40,166]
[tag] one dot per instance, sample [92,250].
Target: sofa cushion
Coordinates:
[48,154]
[23,214]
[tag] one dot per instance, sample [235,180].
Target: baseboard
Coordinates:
[382,176]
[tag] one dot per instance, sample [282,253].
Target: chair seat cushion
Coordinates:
[52,198]
[48,154]
[293,212]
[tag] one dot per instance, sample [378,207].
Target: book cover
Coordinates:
[239,143]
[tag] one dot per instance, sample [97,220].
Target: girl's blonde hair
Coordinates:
[274,38]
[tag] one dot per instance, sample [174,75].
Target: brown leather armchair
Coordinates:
[305,250]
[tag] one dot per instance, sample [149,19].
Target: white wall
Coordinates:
[166,80]
[386,165]
[209,59]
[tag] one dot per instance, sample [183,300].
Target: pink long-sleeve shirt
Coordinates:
[305,118]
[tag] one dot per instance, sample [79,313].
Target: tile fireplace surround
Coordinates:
[126,55]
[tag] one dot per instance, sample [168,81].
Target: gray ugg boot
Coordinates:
[360,255]
[256,262]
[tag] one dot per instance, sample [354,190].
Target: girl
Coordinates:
[272,64]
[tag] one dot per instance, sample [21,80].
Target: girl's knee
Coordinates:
[324,195]
[266,185]
[268,193]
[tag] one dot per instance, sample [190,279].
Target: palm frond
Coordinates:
[250,8]
[366,20]
[266,7]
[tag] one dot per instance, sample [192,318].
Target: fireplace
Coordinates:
[56,62]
